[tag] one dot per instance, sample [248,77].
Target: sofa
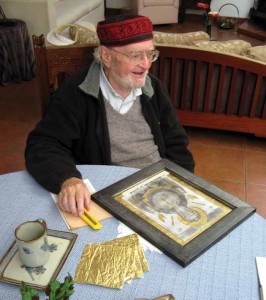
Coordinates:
[217,85]
[160,12]
[41,16]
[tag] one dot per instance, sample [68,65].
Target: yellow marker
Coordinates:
[91,221]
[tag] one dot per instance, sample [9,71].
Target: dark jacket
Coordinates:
[74,130]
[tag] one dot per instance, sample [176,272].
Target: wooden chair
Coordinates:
[54,63]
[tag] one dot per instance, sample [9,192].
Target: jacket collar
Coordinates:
[91,83]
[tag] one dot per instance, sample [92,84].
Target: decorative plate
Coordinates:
[14,272]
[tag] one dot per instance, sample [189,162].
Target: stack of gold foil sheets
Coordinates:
[112,263]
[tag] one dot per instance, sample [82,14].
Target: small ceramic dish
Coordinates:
[14,272]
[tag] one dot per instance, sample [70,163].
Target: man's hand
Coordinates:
[74,197]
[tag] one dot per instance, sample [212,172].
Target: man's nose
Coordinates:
[145,61]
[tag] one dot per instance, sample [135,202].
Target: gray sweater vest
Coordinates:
[132,143]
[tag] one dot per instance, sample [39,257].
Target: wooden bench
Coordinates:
[207,89]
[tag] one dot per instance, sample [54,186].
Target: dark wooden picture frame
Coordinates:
[195,215]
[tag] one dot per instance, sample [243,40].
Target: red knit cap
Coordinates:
[124,29]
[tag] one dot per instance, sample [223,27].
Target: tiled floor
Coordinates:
[234,162]
[19,112]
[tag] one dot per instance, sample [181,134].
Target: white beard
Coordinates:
[127,82]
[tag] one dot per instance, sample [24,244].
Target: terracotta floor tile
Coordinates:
[7,92]
[19,111]
[219,163]
[256,167]
[10,132]
[21,104]
[11,162]
[256,196]
[256,144]
[237,189]
[18,146]
[216,138]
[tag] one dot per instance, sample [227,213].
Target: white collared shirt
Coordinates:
[117,102]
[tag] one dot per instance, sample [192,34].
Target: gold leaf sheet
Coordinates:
[112,263]
[135,239]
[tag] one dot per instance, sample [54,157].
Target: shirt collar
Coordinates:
[91,83]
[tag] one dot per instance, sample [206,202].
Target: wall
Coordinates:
[117,3]
[41,15]
[34,13]
[229,10]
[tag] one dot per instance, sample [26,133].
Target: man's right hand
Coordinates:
[74,196]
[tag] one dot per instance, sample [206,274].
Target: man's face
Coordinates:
[125,73]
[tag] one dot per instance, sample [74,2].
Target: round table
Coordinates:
[225,271]
[16,60]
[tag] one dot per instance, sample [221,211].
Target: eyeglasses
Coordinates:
[137,57]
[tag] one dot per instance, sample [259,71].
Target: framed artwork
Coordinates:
[177,211]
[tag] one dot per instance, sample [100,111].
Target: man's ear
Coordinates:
[105,56]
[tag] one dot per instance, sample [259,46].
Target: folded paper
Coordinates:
[261,268]
[73,222]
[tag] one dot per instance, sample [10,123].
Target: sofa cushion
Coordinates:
[84,33]
[89,36]
[233,47]
[174,39]
[258,52]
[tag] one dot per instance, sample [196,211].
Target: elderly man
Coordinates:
[112,113]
